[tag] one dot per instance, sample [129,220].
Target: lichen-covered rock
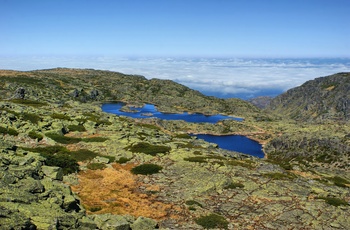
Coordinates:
[52,172]
[109,222]
[143,223]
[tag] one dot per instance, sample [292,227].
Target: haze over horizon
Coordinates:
[235,44]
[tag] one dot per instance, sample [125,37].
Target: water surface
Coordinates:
[236,143]
[150,111]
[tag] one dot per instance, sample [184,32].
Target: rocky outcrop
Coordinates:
[20,93]
[30,199]
[261,102]
[324,98]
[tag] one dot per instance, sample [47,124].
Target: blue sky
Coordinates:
[174,28]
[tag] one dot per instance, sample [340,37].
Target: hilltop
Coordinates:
[65,164]
[324,98]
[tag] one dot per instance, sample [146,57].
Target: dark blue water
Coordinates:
[236,143]
[150,109]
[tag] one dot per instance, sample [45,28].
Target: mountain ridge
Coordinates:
[324,98]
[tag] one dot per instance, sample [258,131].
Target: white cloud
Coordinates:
[218,76]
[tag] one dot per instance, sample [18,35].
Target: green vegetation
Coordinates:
[96,166]
[62,139]
[95,209]
[60,116]
[193,202]
[68,160]
[146,169]
[212,221]
[76,128]
[96,119]
[28,102]
[94,139]
[144,147]
[334,201]
[199,159]
[33,118]
[123,160]
[183,136]
[34,135]
[339,181]
[8,131]
[83,155]
[65,161]
[234,185]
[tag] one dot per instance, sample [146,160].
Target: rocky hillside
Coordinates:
[65,164]
[320,99]
[59,85]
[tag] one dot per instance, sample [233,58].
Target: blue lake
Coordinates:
[150,111]
[236,143]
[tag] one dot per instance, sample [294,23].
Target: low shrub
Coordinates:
[96,119]
[334,201]
[65,161]
[34,135]
[33,118]
[234,185]
[8,131]
[63,139]
[183,136]
[48,149]
[94,139]
[95,209]
[212,221]
[146,169]
[339,181]
[96,166]
[199,159]
[111,158]
[193,202]
[123,160]
[153,150]
[28,102]
[76,128]
[60,116]
[83,155]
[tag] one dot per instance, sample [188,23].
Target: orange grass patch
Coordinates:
[115,190]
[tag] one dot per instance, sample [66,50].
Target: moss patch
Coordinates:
[153,150]
[146,169]
[212,221]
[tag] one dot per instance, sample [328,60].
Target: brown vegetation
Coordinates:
[115,190]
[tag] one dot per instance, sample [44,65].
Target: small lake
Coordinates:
[150,111]
[236,143]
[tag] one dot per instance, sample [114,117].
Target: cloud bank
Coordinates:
[222,77]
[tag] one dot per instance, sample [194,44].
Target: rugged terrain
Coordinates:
[65,164]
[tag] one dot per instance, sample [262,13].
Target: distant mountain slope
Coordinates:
[324,98]
[261,102]
[96,85]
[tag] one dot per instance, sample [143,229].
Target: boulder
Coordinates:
[55,173]
[143,223]
[109,221]
[19,93]
[99,159]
